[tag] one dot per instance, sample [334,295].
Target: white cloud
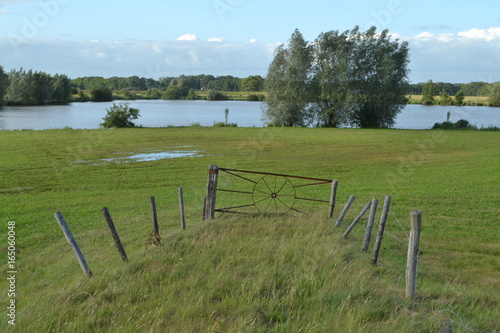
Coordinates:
[216,39]
[188,37]
[253,40]
[486,34]
[463,57]
[3,12]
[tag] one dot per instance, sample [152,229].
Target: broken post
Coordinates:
[344,211]
[357,219]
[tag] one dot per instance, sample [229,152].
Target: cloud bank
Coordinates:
[461,57]
[188,55]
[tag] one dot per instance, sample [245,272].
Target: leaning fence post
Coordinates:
[333,197]
[381,227]
[181,207]
[112,228]
[72,242]
[155,216]
[344,211]
[412,262]
[357,219]
[213,176]
[369,226]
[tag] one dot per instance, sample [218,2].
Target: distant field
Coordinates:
[472,100]
[277,273]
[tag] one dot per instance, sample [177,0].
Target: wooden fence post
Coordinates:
[333,198]
[72,242]
[357,219]
[181,207]
[369,226]
[155,216]
[116,238]
[381,227]
[213,177]
[412,261]
[344,211]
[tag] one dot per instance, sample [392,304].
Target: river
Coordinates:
[161,113]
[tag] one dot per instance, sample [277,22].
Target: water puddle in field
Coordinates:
[150,155]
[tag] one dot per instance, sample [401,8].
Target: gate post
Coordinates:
[213,177]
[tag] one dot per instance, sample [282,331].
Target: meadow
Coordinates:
[259,272]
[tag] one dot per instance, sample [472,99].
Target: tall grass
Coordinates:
[255,273]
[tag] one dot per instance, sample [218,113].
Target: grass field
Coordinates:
[468,100]
[250,273]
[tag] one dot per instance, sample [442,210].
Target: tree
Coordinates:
[459,98]
[4,84]
[61,89]
[252,83]
[428,92]
[102,94]
[494,99]
[120,116]
[289,83]
[353,78]
[445,99]
[331,78]
[378,79]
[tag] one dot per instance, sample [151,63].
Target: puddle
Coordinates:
[152,155]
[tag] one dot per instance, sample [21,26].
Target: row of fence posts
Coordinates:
[154,236]
[413,246]
[209,210]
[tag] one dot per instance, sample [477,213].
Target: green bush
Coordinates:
[214,95]
[120,116]
[447,125]
[172,93]
[102,94]
[224,124]
[255,98]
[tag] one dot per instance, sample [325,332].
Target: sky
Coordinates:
[452,41]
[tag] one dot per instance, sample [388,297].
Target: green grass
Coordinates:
[282,273]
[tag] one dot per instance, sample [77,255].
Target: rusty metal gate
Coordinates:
[265,192]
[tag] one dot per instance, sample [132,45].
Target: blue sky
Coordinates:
[454,41]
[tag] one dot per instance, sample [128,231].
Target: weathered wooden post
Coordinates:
[155,216]
[72,242]
[357,219]
[381,227]
[412,261]
[116,238]
[210,199]
[344,211]
[333,197]
[369,226]
[181,207]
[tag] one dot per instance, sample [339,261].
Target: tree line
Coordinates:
[478,88]
[195,82]
[28,87]
[31,87]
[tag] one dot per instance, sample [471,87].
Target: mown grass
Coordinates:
[283,273]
